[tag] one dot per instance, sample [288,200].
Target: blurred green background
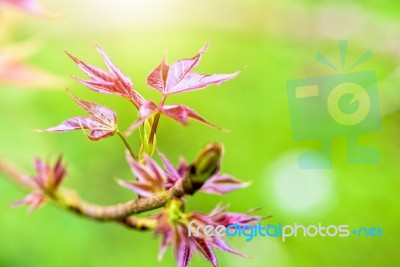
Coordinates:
[274,42]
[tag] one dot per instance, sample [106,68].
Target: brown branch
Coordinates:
[123,210]
[120,212]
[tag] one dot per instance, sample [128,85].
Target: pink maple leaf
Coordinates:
[179,78]
[47,181]
[179,113]
[151,178]
[102,121]
[178,233]
[112,82]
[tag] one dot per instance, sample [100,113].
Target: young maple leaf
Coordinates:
[102,121]
[112,82]
[179,113]
[151,178]
[179,78]
[176,228]
[221,217]
[221,184]
[174,79]
[46,182]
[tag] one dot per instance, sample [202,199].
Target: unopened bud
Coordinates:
[206,165]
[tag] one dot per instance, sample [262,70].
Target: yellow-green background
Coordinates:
[273,41]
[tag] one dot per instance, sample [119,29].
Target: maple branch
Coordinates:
[120,212]
[123,210]
[203,168]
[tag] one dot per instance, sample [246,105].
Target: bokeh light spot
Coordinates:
[298,190]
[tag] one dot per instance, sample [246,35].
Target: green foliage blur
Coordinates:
[272,42]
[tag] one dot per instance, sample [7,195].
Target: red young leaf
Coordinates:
[151,178]
[173,174]
[205,249]
[180,231]
[222,184]
[220,244]
[221,217]
[47,180]
[179,78]
[102,122]
[158,77]
[183,248]
[165,241]
[114,82]
[194,81]
[178,113]
[33,200]
[182,113]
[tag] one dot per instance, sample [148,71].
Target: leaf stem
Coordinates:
[156,120]
[123,138]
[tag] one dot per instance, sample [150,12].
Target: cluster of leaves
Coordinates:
[152,179]
[44,184]
[174,79]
